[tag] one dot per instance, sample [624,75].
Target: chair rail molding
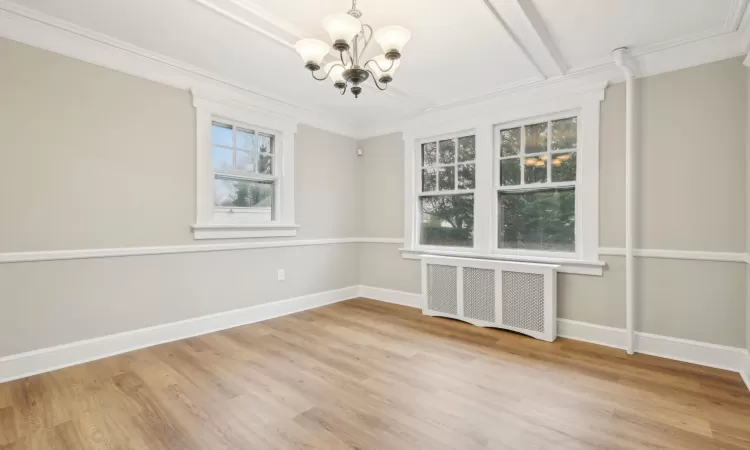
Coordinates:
[59,255]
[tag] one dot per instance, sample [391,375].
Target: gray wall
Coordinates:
[93,158]
[692,197]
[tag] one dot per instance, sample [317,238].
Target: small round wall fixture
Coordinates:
[350,39]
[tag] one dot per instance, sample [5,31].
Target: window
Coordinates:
[446,197]
[521,185]
[536,185]
[244,177]
[245,167]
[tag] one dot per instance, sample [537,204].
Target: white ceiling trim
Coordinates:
[736,15]
[532,33]
[40,30]
[717,48]
[539,66]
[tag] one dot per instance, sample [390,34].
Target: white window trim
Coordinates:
[209,225]
[586,106]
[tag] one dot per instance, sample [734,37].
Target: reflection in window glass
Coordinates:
[564,134]
[222,158]
[510,142]
[537,220]
[429,154]
[245,139]
[447,178]
[429,180]
[510,172]
[447,151]
[233,193]
[536,138]
[447,220]
[466,149]
[221,134]
[564,167]
[466,176]
[535,169]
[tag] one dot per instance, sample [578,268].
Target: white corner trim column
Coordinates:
[620,56]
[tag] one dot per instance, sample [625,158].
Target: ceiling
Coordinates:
[460,49]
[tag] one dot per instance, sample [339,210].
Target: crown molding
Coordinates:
[681,55]
[40,30]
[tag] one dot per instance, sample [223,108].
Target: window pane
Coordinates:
[222,158]
[447,178]
[510,142]
[510,172]
[221,134]
[466,150]
[539,220]
[536,138]
[564,167]
[265,164]
[429,180]
[246,139]
[246,161]
[564,134]
[265,143]
[535,169]
[466,176]
[447,151]
[429,154]
[447,220]
[243,194]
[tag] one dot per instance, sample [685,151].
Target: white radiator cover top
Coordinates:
[520,297]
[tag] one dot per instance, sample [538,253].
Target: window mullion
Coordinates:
[549,152]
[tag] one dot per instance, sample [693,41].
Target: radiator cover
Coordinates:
[515,296]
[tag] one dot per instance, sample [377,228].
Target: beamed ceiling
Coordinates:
[460,50]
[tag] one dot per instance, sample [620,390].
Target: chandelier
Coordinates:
[350,38]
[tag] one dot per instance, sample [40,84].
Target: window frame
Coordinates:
[535,187]
[229,215]
[438,192]
[482,118]
[216,222]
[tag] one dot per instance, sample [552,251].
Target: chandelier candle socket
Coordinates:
[350,39]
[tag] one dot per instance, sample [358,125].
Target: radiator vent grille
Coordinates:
[479,294]
[523,300]
[442,288]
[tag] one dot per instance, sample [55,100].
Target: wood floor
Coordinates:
[368,375]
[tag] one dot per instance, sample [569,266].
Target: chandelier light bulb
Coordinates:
[341,28]
[312,52]
[382,62]
[392,40]
[336,72]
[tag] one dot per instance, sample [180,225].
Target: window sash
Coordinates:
[498,189]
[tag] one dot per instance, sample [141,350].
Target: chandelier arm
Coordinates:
[393,62]
[374,80]
[328,72]
[366,39]
[343,90]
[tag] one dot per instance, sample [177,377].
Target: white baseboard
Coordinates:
[44,360]
[745,372]
[391,296]
[47,359]
[702,353]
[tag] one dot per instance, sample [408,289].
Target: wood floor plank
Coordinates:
[368,375]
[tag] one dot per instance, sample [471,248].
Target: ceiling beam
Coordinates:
[528,31]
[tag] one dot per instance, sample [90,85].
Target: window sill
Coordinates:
[237,231]
[576,266]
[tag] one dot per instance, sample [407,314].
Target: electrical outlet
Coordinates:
[282,275]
